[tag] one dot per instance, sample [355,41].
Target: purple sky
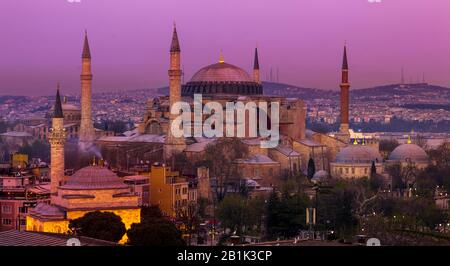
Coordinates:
[41,40]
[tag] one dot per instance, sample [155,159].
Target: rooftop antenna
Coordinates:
[402,77]
[278,75]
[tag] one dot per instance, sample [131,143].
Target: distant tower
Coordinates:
[86,128]
[345,86]
[256,77]
[172,144]
[57,138]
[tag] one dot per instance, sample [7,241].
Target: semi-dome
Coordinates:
[409,152]
[94,177]
[358,154]
[221,78]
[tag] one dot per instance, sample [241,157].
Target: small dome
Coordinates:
[409,152]
[221,72]
[94,177]
[358,154]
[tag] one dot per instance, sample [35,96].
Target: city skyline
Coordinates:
[130,45]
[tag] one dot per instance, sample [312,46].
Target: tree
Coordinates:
[421,141]
[38,149]
[151,213]
[388,145]
[286,214]
[190,218]
[154,230]
[311,168]
[373,169]
[220,157]
[101,225]
[375,180]
[240,213]
[180,162]
[158,233]
[232,211]
[403,176]
[116,126]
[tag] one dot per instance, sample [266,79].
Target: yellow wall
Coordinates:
[129,216]
[163,193]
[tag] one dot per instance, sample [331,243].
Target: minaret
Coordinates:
[86,127]
[256,77]
[172,144]
[57,138]
[344,127]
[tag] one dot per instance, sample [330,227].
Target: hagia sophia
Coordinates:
[96,187]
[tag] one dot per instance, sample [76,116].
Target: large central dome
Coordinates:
[221,72]
[221,78]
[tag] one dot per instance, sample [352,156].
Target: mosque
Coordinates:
[224,82]
[98,188]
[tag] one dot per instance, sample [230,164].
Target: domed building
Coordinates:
[223,83]
[93,188]
[222,78]
[355,161]
[409,154]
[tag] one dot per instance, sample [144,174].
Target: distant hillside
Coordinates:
[4,99]
[271,88]
[397,89]
[378,92]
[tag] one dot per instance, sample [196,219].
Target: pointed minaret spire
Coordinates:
[256,61]
[175,45]
[344,60]
[256,74]
[58,112]
[86,51]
